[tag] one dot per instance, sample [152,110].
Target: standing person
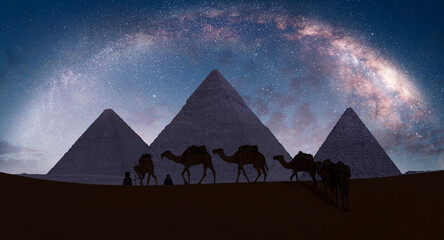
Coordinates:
[127,180]
[168,180]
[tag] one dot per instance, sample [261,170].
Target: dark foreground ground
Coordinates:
[404,207]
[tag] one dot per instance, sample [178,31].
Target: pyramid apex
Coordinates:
[349,109]
[108,112]
[349,112]
[214,75]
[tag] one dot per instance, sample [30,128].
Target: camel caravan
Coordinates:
[335,176]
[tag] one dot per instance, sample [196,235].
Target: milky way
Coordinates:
[297,73]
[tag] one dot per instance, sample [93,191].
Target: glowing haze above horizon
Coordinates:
[298,66]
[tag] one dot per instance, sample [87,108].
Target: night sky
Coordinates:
[298,66]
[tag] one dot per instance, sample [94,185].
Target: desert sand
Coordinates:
[402,207]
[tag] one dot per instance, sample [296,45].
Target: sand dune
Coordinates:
[403,207]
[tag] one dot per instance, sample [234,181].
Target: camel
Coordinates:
[246,154]
[342,176]
[302,162]
[193,155]
[145,166]
[334,176]
[324,171]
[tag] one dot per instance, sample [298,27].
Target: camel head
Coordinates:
[164,154]
[218,151]
[278,157]
[326,162]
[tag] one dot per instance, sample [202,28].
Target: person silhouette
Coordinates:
[127,180]
[168,180]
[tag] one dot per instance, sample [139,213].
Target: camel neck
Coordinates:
[284,163]
[229,159]
[173,157]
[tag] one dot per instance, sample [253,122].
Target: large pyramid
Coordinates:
[352,143]
[108,147]
[216,116]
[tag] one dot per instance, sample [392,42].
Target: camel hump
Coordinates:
[342,167]
[145,157]
[302,154]
[196,149]
[248,148]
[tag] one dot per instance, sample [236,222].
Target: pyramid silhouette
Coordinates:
[215,115]
[108,147]
[352,143]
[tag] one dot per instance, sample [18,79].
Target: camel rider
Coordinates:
[168,180]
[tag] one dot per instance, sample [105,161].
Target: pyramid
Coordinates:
[108,147]
[352,143]
[216,116]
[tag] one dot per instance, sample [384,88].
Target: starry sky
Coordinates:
[298,66]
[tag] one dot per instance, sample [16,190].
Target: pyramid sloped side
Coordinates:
[108,147]
[352,143]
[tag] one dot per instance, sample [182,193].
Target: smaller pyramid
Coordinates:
[108,147]
[352,143]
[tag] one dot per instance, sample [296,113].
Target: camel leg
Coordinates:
[347,184]
[183,172]
[148,181]
[141,179]
[214,173]
[344,194]
[292,175]
[259,173]
[265,173]
[336,197]
[315,181]
[188,173]
[138,176]
[297,178]
[324,184]
[245,174]
[238,173]
[204,174]
[340,194]
[342,200]
[155,178]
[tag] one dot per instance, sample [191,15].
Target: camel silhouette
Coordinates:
[145,166]
[302,162]
[336,176]
[246,154]
[193,155]
[342,175]
[325,171]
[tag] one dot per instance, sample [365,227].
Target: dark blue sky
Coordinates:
[298,65]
